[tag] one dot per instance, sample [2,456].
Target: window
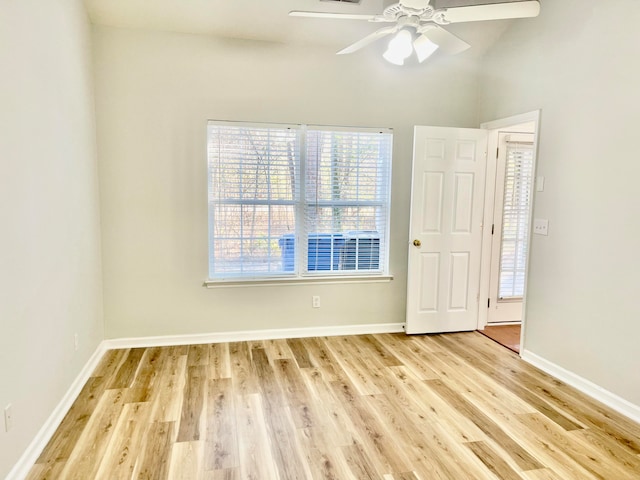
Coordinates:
[515,221]
[293,201]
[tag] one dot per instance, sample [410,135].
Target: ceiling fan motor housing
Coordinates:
[413,4]
[415,9]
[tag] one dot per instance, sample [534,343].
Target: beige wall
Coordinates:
[50,283]
[155,92]
[578,63]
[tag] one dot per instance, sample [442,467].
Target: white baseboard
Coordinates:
[21,469]
[611,400]
[248,335]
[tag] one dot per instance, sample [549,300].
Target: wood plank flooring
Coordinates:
[390,407]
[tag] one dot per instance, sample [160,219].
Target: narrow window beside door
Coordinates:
[515,226]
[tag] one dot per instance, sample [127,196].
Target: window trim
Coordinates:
[301,277]
[308,279]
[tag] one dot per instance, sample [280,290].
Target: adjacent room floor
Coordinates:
[506,335]
[392,407]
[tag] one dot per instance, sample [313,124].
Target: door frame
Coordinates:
[494,127]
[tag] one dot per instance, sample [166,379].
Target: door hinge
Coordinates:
[488,302]
[492,228]
[497,152]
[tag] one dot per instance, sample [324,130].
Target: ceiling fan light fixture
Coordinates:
[424,48]
[428,21]
[400,48]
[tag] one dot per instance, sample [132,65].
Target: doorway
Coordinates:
[508,207]
[453,198]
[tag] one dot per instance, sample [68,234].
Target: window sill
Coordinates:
[319,280]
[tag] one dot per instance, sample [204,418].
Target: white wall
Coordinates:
[578,62]
[50,281]
[155,92]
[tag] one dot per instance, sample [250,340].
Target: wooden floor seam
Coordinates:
[385,406]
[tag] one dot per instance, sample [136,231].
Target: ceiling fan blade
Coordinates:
[446,41]
[363,42]
[337,16]
[493,11]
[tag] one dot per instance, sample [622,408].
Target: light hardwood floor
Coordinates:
[389,407]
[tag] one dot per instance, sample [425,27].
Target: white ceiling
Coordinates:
[267,20]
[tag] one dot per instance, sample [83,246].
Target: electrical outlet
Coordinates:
[315,301]
[8,418]
[76,341]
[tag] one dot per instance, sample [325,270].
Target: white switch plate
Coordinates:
[315,301]
[540,184]
[541,226]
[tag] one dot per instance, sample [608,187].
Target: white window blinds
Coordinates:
[292,201]
[347,199]
[515,220]
[253,193]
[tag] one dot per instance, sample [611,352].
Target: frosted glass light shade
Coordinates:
[400,47]
[424,48]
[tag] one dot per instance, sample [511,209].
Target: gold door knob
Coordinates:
[417,242]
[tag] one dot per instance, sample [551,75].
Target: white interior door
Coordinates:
[447,201]
[510,229]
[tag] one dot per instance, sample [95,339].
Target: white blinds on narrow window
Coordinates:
[347,177]
[515,221]
[253,192]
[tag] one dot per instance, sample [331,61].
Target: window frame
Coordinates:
[301,204]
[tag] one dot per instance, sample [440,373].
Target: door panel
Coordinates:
[430,273]
[446,214]
[463,198]
[432,206]
[459,283]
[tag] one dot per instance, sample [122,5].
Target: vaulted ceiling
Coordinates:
[267,20]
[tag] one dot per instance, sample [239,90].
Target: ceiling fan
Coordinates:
[419,15]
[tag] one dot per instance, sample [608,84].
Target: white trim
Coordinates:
[347,128]
[28,459]
[610,399]
[317,280]
[249,335]
[502,324]
[533,116]
[265,125]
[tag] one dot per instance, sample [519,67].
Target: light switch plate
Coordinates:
[541,226]
[540,184]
